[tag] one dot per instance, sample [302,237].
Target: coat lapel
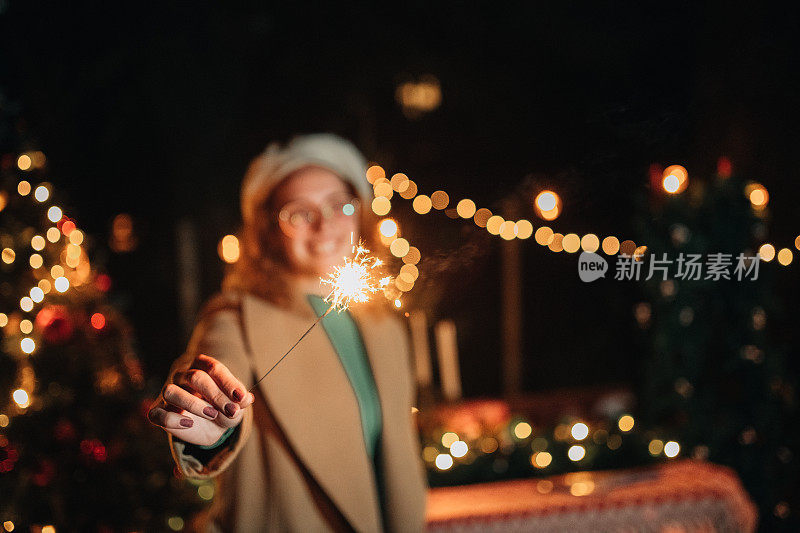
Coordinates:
[312,398]
[386,343]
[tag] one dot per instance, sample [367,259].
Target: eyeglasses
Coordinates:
[299,215]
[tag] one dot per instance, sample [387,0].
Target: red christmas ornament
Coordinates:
[64,430]
[55,324]
[8,456]
[45,474]
[724,167]
[103,282]
[93,449]
[98,321]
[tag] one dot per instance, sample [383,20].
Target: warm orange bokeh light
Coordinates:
[675,179]
[98,321]
[547,205]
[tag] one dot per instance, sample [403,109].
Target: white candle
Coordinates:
[447,350]
[422,352]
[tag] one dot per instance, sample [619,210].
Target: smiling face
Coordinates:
[316,220]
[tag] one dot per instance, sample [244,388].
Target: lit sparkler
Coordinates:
[354,281]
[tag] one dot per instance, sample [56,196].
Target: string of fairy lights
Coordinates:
[571,440]
[548,206]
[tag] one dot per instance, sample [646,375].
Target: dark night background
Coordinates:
[156,109]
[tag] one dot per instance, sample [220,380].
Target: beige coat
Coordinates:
[259,487]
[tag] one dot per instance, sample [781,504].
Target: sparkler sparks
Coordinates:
[352,282]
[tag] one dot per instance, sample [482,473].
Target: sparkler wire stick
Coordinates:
[292,348]
[352,282]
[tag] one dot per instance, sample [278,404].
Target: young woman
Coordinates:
[326,441]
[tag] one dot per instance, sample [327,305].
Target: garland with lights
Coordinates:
[483,441]
[548,205]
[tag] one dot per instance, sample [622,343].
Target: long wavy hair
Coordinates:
[263,269]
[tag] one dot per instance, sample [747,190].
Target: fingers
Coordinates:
[184,400]
[169,420]
[227,382]
[198,380]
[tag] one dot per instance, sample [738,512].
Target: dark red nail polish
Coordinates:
[237,395]
[230,409]
[210,412]
[187,422]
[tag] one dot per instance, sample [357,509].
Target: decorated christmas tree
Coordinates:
[76,451]
[715,377]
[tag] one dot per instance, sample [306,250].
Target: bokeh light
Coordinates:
[466,208]
[413,256]
[758,195]
[381,205]
[494,223]
[546,201]
[440,200]
[422,204]
[41,193]
[571,243]
[523,430]
[228,248]
[388,227]
[541,459]
[8,255]
[61,284]
[625,423]
[53,234]
[675,179]
[27,345]
[580,431]
[672,448]
[523,229]
[544,236]
[374,172]
[400,182]
[785,256]
[482,216]
[508,230]
[556,243]
[655,447]
[576,452]
[21,398]
[590,242]
[98,321]
[24,162]
[547,205]
[26,303]
[54,214]
[444,461]
[610,245]
[410,190]
[459,448]
[766,252]
[399,247]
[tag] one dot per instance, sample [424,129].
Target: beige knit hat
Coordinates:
[319,149]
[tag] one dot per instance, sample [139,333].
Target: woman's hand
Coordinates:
[201,403]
